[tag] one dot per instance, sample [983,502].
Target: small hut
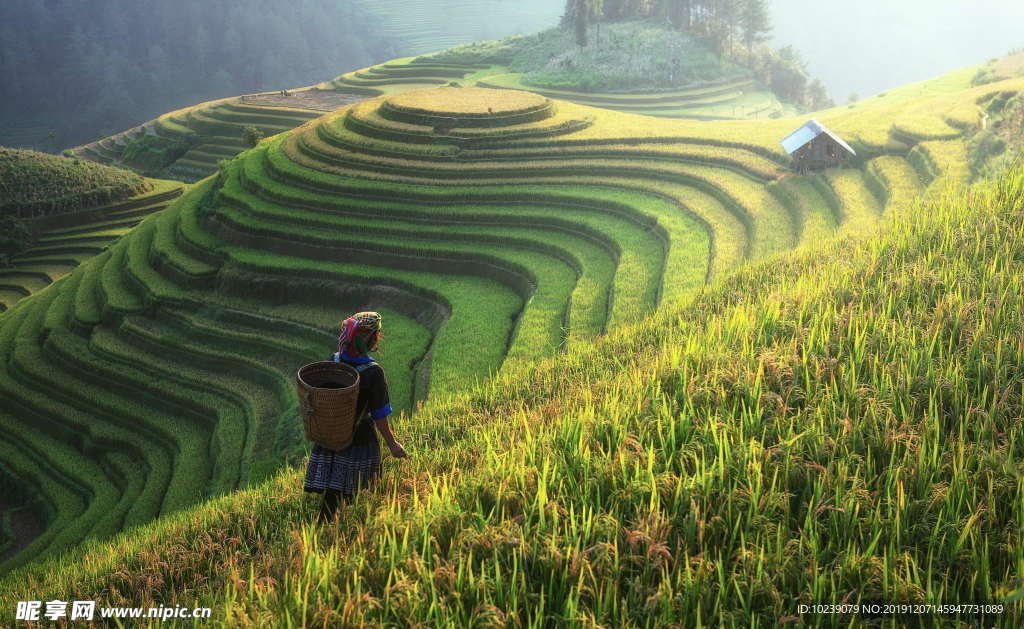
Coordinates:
[814,147]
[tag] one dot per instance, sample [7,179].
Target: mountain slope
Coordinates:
[77,72]
[838,424]
[524,227]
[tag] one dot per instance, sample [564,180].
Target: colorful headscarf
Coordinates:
[358,324]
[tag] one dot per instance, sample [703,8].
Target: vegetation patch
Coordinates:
[496,246]
[618,58]
[845,408]
[15,237]
[37,184]
[152,153]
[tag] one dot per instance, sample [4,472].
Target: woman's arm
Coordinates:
[384,428]
[380,401]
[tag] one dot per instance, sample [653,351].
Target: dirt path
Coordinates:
[320,100]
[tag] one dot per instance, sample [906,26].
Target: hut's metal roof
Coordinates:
[810,130]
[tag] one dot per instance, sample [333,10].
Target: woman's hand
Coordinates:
[397,450]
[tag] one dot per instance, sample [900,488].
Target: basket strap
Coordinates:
[336,357]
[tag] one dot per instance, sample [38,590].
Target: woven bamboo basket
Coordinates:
[328,393]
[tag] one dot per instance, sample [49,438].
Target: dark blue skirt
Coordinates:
[344,470]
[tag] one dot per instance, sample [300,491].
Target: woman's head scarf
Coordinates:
[355,330]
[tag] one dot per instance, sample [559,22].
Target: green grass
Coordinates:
[60,442]
[814,218]
[587,82]
[207,132]
[367,115]
[489,252]
[63,241]
[860,208]
[638,251]
[740,99]
[486,330]
[37,184]
[675,221]
[896,182]
[29,282]
[566,261]
[854,408]
[53,271]
[540,327]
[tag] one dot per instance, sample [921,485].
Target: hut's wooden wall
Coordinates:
[821,152]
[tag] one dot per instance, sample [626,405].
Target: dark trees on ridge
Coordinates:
[99,67]
[722,22]
[735,28]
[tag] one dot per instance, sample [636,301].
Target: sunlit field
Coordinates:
[650,370]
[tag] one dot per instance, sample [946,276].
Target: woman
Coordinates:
[340,473]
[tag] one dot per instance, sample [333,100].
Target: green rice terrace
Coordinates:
[69,211]
[575,289]
[37,184]
[188,144]
[736,97]
[202,135]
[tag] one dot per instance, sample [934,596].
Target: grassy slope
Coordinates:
[218,123]
[38,184]
[85,234]
[212,129]
[842,423]
[114,288]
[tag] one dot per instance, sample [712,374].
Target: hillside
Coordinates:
[623,70]
[529,227]
[36,184]
[55,245]
[187,144]
[841,423]
[617,59]
[423,26]
[56,213]
[74,73]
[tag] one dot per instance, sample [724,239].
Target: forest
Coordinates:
[736,29]
[88,69]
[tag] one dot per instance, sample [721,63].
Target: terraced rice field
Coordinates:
[214,128]
[723,101]
[214,131]
[935,110]
[490,229]
[65,241]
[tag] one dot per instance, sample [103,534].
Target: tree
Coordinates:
[755,24]
[680,14]
[251,135]
[580,13]
[853,98]
[817,96]
[787,75]
[614,9]
[580,24]
[14,238]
